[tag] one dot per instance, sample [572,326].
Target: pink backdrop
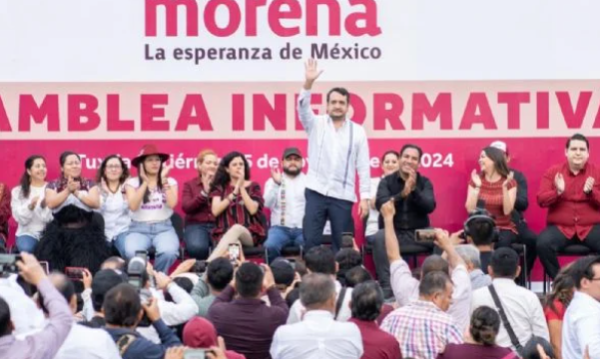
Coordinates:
[532,156]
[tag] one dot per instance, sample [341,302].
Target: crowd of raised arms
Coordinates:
[98,270]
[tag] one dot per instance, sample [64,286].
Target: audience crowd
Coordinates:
[98,271]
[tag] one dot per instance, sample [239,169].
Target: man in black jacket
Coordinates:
[526,235]
[414,198]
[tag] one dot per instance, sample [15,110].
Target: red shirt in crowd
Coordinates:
[196,203]
[5,211]
[557,314]
[377,344]
[491,193]
[573,212]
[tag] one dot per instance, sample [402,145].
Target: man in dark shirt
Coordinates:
[414,198]
[571,192]
[526,235]
[367,302]
[246,323]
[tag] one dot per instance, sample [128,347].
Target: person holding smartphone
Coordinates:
[414,202]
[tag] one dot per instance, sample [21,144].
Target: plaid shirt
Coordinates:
[422,329]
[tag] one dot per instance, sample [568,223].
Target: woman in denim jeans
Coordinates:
[199,219]
[152,196]
[114,208]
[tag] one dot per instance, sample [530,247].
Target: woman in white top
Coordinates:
[114,208]
[75,238]
[28,204]
[152,196]
[389,164]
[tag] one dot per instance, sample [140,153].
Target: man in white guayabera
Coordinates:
[337,150]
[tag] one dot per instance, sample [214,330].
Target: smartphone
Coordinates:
[46,267]
[75,273]
[198,353]
[234,252]
[8,263]
[425,235]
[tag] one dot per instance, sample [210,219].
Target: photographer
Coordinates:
[46,343]
[183,307]
[123,311]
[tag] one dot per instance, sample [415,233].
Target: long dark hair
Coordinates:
[497,156]
[563,287]
[222,178]
[101,176]
[26,178]
[159,184]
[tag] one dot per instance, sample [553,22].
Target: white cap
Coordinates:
[499,145]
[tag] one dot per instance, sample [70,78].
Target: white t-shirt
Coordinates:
[373,221]
[156,209]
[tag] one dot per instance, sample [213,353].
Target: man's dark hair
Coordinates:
[578,137]
[342,91]
[583,268]
[316,289]
[433,282]
[117,262]
[183,283]
[434,263]
[122,305]
[504,263]
[481,232]
[219,273]
[103,281]
[356,276]
[63,285]
[414,147]
[320,260]
[283,272]
[248,280]
[367,300]
[5,321]
[347,258]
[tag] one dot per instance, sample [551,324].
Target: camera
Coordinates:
[136,270]
[8,264]
[199,267]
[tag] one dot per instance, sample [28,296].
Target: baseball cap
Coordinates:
[291,151]
[500,145]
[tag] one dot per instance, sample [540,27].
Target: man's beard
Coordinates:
[290,172]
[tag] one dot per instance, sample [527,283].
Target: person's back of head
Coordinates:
[321,260]
[65,287]
[480,227]
[103,281]
[348,258]
[122,306]
[436,287]
[115,263]
[356,276]
[249,280]
[367,300]
[530,351]
[504,264]
[470,254]
[563,288]
[485,323]
[283,273]
[6,324]
[434,263]
[219,273]
[317,292]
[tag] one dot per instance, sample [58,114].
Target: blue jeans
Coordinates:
[198,239]
[160,235]
[280,237]
[119,243]
[26,243]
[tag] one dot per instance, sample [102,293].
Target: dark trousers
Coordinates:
[406,239]
[526,237]
[552,240]
[318,210]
